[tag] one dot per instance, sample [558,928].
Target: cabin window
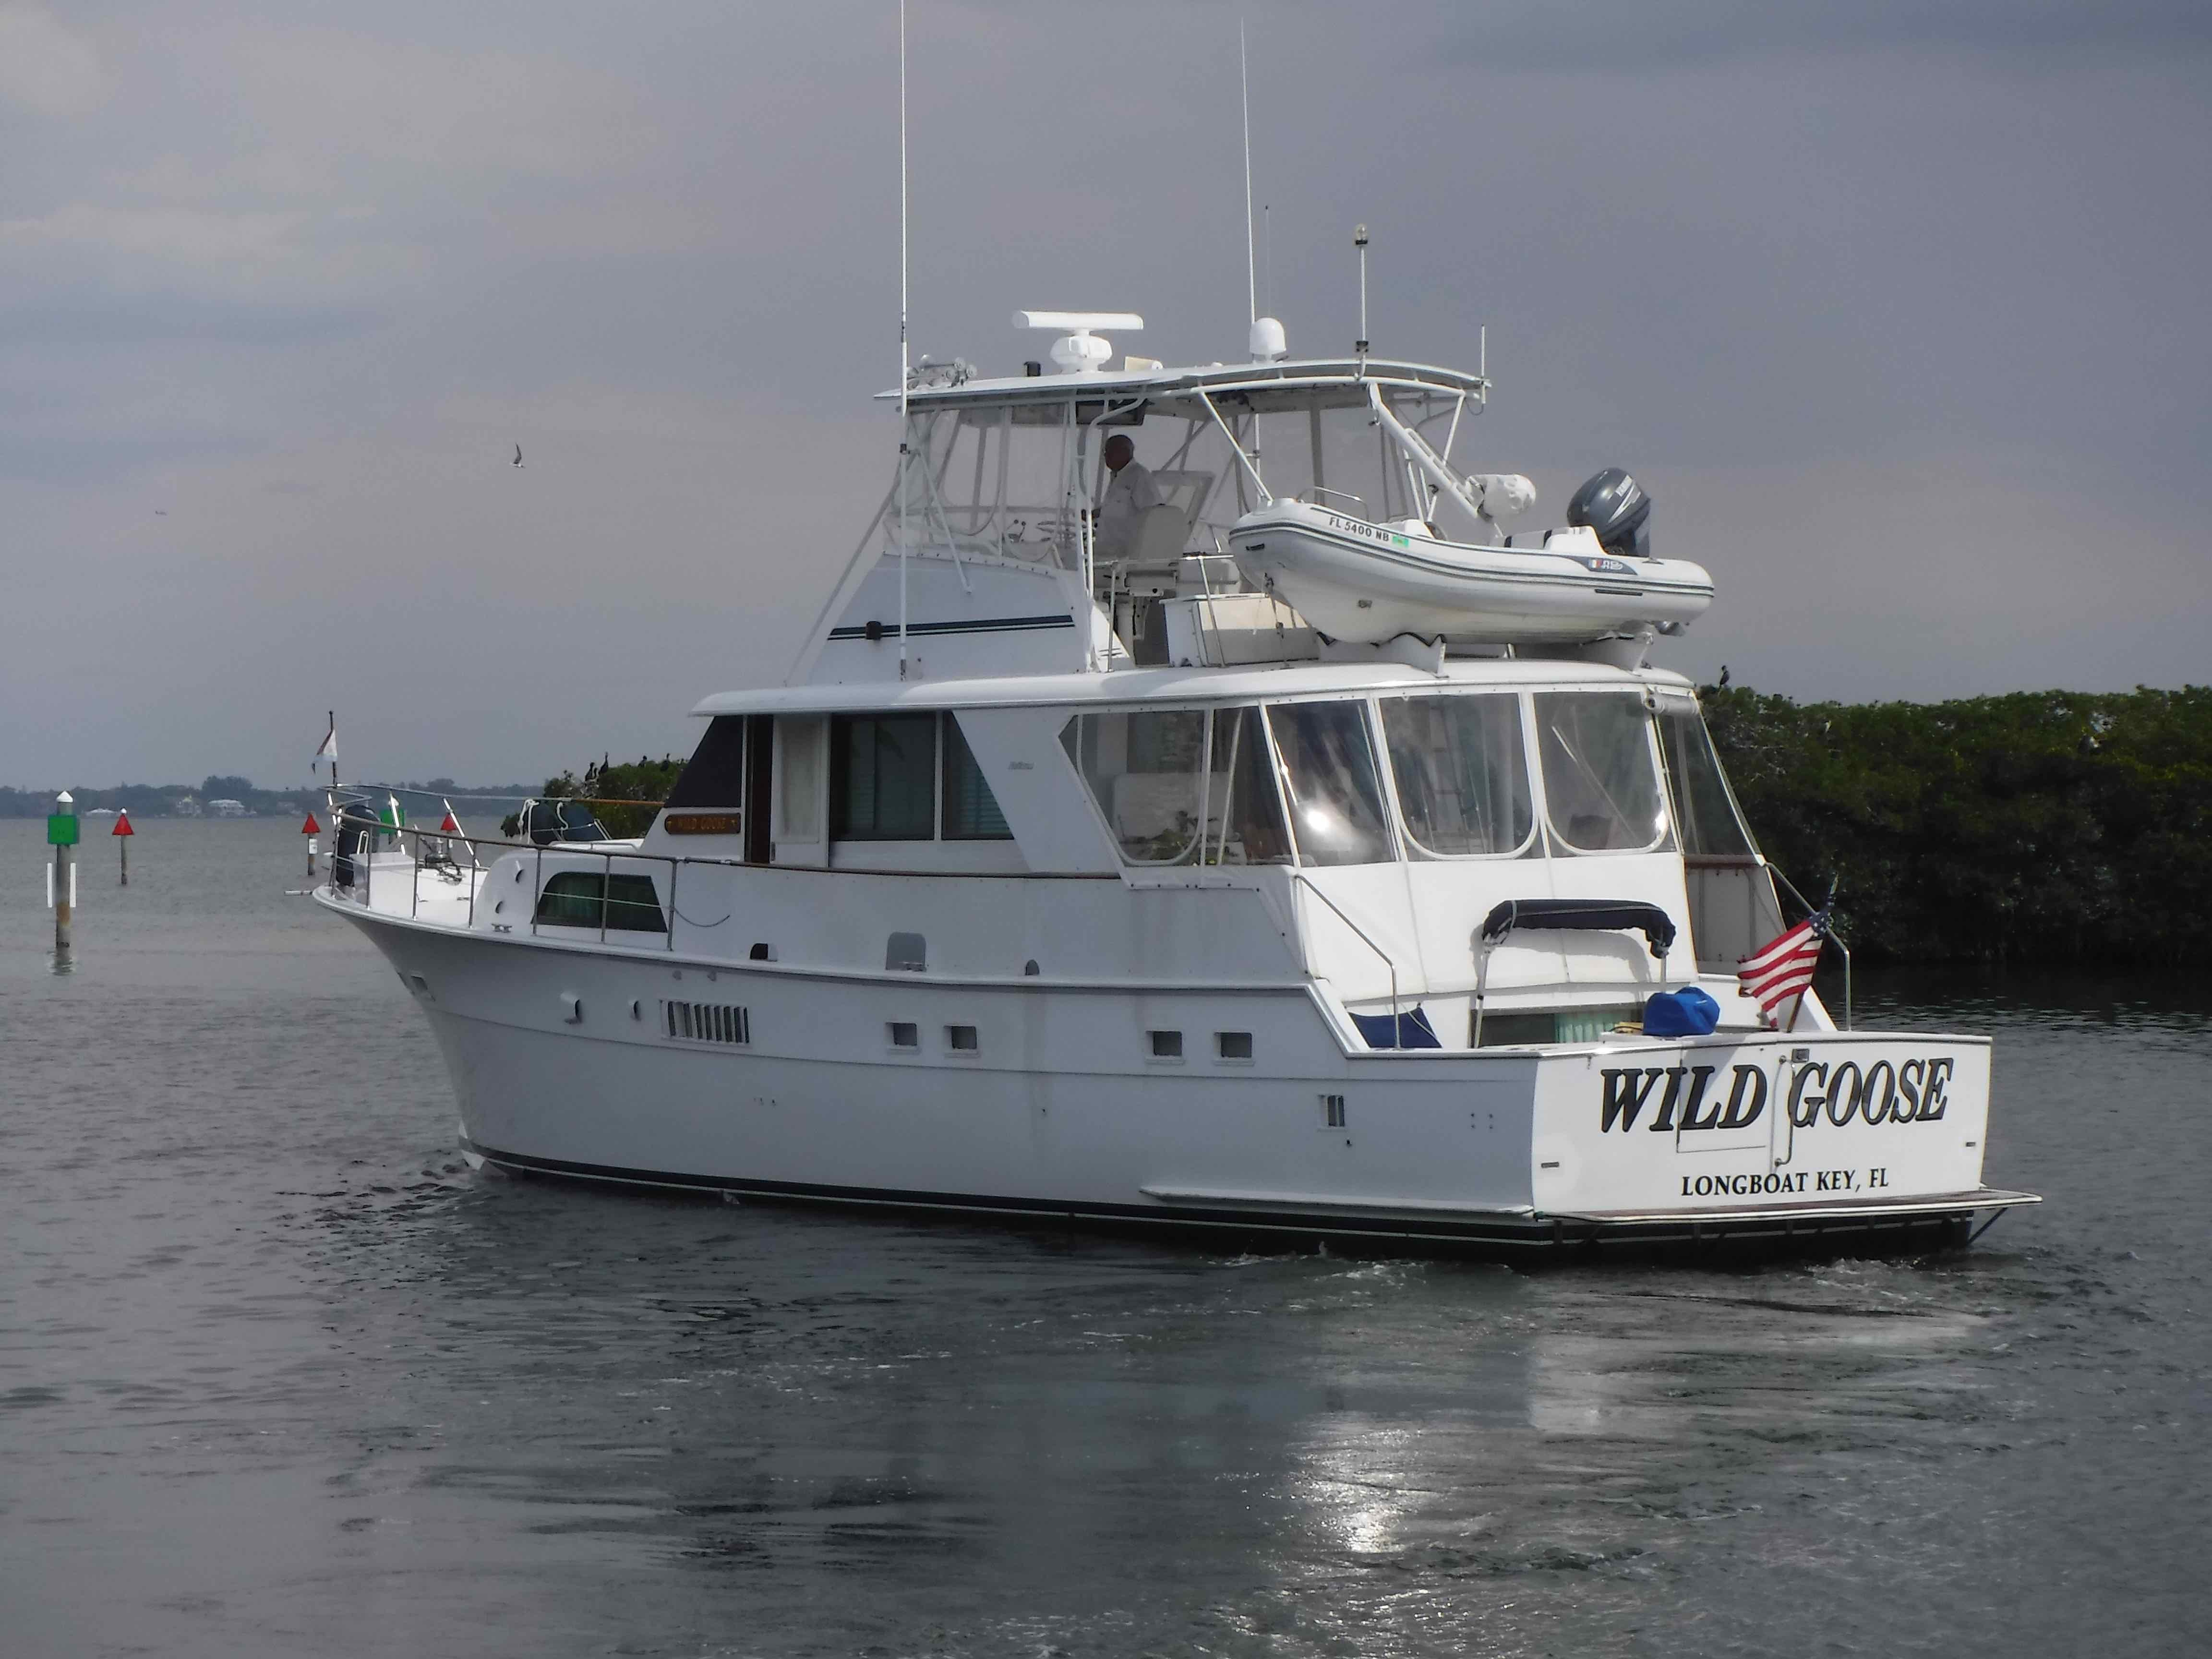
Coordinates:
[971,812]
[883,780]
[1517,1029]
[572,898]
[1243,810]
[1461,772]
[716,773]
[1143,767]
[1706,815]
[1601,785]
[1329,772]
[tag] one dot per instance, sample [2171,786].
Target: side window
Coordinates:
[570,899]
[971,812]
[1143,767]
[1706,814]
[716,773]
[1461,772]
[1328,773]
[573,898]
[1599,783]
[883,778]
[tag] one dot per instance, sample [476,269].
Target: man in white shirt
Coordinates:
[1130,494]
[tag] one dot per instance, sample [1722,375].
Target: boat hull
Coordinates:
[564,1064]
[1366,583]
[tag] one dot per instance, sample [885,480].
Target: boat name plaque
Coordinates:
[1914,1092]
[703,823]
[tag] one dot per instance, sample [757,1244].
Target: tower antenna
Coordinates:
[1268,252]
[904,426]
[1359,241]
[1251,273]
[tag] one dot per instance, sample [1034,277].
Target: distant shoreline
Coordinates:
[164,800]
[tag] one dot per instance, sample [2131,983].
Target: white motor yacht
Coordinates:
[1286,852]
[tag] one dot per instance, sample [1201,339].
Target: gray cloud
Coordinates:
[1624,37]
[1897,309]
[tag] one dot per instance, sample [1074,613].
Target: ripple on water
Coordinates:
[279,1373]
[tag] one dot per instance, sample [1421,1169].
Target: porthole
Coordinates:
[903,1034]
[1165,1045]
[1232,1045]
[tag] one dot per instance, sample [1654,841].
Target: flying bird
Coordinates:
[518,454]
[161,511]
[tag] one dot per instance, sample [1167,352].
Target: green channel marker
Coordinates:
[61,829]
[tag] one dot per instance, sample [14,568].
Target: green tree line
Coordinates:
[2053,827]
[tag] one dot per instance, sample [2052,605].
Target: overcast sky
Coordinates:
[1897,308]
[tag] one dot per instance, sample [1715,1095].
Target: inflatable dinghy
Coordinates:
[1367,583]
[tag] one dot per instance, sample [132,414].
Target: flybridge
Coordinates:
[1223,514]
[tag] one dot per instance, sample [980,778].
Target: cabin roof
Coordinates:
[1172,686]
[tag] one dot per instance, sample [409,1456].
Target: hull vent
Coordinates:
[707,1022]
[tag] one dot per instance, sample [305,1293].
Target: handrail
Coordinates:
[1299,878]
[365,862]
[1317,489]
[368,792]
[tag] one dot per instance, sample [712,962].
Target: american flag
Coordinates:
[1782,966]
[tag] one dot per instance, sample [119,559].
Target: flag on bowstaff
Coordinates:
[328,750]
[1782,966]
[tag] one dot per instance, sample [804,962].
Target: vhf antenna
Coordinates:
[1251,274]
[1268,252]
[1359,241]
[903,428]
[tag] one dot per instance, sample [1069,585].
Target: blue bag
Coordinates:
[1686,1012]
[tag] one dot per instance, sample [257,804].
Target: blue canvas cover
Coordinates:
[1414,1030]
[1686,1012]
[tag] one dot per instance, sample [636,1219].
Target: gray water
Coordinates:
[279,1376]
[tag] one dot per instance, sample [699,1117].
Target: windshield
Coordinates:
[1243,813]
[1328,774]
[545,821]
[1462,773]
[1601,788]
[1704,811]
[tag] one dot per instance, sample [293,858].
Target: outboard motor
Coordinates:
[1616,507]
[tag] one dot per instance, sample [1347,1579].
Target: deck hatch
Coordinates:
[707,1022]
